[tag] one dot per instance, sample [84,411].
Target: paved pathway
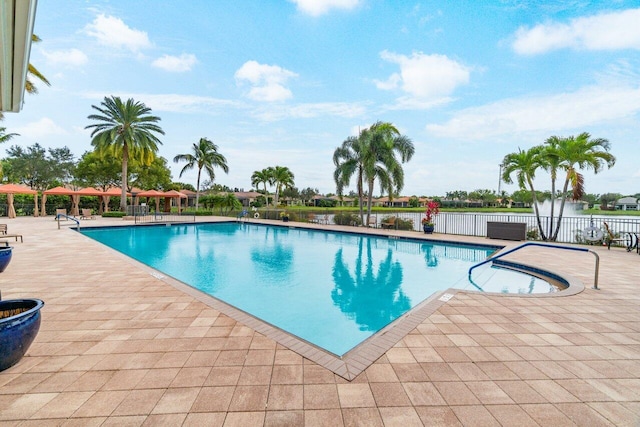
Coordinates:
[118,346]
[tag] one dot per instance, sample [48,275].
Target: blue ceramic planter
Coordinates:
[19,325]
[5,257]
[428,229]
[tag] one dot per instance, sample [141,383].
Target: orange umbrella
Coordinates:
[90,191]
[111,192]
[62,191]
[173,194]
[152,193]
[10,190]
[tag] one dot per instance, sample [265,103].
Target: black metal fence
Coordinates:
[471,223]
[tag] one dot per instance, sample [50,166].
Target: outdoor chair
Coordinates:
[4,233]
[86,214]
[373,222]
[389,223]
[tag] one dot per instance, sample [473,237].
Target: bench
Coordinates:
[507,230]
[3,234]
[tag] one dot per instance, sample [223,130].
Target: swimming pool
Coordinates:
[331,289]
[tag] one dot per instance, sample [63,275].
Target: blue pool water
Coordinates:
[331,289]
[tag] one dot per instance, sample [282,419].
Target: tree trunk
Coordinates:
[123,194]
[198,188]
[360,195]
[564,198]
[369,201]
[537,211]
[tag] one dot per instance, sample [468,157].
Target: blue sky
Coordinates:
[284,82]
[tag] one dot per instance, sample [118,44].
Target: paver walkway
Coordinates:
[118,346]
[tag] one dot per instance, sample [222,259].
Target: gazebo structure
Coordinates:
[10,190]
[62,191]
[173,194]
[152,193]
[90,191]
[111,192]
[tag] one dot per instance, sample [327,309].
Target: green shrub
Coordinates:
[113,214]
[399,223]
[346,218]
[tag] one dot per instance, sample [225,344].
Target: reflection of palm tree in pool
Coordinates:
[373,299]
[430,256]
[273,257]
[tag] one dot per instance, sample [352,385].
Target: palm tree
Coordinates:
[579,152]
[205,155]
[4,136]
[282,178]
[125,130]
[525,164]
[348,161]
[372,155]
[33,71]
[262,177]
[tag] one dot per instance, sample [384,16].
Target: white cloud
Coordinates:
[606,31]
[427,79]
[307,111]
[176,64]
[70,57]
[173,102]
[113,32]
[550,114]
[39,129]
[267,81]
[320,7]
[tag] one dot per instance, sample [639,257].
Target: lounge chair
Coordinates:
[4,233]
[86,214]
[389,223]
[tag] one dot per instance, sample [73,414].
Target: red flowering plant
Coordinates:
[433,209]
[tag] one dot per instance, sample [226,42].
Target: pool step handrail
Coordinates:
[545,245]
[76,220]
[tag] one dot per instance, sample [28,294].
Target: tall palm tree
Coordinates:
[373,155]
[205,155]
[575,153]
[262,177]
[524,164]
[282,178]
[125,130]
[551,163]
[348,161]
[384,143]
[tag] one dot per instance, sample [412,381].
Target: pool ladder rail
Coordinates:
[545,245]
[71,218]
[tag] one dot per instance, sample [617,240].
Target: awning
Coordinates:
[16,27]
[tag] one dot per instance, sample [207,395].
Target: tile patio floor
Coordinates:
[118,346]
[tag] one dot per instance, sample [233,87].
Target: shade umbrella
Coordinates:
[10,190]
[153,193]
[62,191]
[173,194]
[91,191]
[111,192]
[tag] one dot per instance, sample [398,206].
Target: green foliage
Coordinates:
[414,202]
[327,203]
[113,214]
[93,170]
[155,175]
[39,168]
[398,223]
[346,218]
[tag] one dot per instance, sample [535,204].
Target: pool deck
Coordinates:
[121,346]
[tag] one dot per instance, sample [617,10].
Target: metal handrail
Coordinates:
[546,245]
[68,217]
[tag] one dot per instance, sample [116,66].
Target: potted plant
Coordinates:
[285,216]
[5,257]
[433,209]
[19,325]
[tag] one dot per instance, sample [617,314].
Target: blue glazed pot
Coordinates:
[19,325]
[5,257]
[428,229]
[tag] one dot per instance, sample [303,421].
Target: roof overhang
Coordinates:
[16,27]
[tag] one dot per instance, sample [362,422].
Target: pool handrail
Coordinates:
[58,216]
[546,245]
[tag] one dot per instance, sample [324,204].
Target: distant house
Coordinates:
[247,197]
[628,204]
